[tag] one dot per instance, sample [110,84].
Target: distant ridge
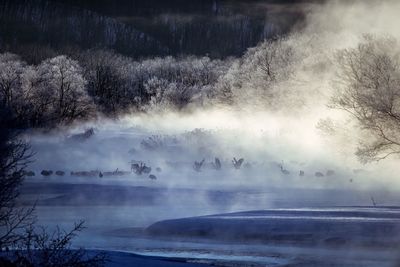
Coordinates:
[145,28]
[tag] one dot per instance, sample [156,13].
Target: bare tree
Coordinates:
[369,89]
[48,249]
[26,245]
[14,157]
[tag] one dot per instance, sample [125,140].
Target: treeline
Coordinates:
[62,89]
[142,28]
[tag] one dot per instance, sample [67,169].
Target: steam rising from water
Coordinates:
[289,137]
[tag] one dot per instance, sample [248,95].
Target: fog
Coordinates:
[268,144]
[297,150]
[294,135]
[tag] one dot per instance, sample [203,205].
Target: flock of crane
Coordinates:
[238,163]
[141,169]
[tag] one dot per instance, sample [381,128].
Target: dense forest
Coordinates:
[144,28]
[79,86]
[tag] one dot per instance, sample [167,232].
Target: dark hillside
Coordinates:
[145,28]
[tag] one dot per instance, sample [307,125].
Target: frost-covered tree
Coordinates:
[369,89]
[59,90]
[178,83]
[11,70]
[111,80]
[17,88]
[226,89]
[61,81]
[12,96]
[270,62]
[166,94]
[256,79]
[157,88]
[119,84]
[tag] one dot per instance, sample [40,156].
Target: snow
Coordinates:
[357,226]
[118,222]
[253,216]
[121,259]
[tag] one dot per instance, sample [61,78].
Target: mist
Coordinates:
[295,131]
[190,120]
